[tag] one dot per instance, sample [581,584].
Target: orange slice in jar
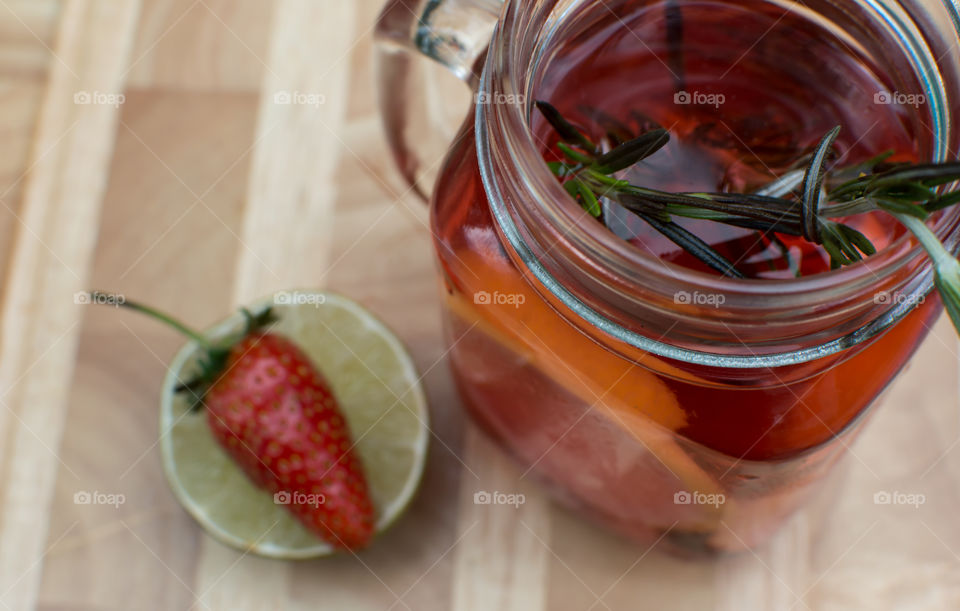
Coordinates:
[506,308]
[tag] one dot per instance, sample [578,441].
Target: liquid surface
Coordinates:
[745,92]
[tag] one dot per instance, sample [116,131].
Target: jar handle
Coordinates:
[454,33]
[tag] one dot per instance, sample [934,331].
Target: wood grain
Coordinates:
[26,35]
[27,31]
[501,558]
[202,190]
[202,45]
[55,239]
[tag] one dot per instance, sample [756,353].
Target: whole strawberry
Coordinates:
[275,415]
[277,418]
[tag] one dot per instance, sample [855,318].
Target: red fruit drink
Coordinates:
[646,445]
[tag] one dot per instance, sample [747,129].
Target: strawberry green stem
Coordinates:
[99,297]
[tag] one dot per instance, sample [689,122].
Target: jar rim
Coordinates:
[520,148]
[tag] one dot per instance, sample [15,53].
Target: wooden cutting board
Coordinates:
[196,191]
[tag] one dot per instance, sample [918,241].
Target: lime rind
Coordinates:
[377,386]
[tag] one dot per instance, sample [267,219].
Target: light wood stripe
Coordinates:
[213,45]
[501,560]
[293,186]
[55,240]
[287,224]
[26,35]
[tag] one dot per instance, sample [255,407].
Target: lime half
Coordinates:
[378,389]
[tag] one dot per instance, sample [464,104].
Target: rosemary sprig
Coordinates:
[805,202]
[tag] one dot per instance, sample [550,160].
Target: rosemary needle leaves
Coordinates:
[804,202]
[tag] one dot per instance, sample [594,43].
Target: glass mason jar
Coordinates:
[652,397]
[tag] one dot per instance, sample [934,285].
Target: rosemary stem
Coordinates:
[929,240]
[946,267]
